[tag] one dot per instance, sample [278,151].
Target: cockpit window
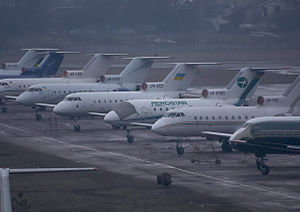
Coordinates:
[70,99]
[35,90]
[173,114]
[3,84]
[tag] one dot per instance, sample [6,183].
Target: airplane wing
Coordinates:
[44,170]
[11,97]
[140,124]
[97,114]
[45,105]
[216,134]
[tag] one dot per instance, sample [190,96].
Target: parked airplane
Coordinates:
[192,121]
[5,185]
[91,72]
[141,112]
[129,79]
[265,135]
[31,59]
[97,103]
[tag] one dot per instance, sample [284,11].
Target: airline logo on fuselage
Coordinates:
[168,103]
[242,82]
[179,76]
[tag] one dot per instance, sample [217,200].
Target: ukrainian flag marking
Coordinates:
[179,76]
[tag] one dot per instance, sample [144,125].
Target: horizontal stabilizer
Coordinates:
[40,49]
[148,57]
[197,63]
[46,170]
[109,54]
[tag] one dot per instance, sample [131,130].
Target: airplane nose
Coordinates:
[112,116]
[58,109]
[22,100]
[158,128]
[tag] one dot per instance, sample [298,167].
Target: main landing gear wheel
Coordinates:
[260,165]
[4,109]
[130,139]
[180,150]
[38,117]
[116,127]
[77,128]
[226,146]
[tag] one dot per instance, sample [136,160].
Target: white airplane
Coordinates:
[91,72]
[30,60]
[97,103]
[193,121]
[265,135]
[5,185]
[139,111]
[130,78]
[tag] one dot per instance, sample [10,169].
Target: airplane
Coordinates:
[265,135]
[5,185]
[78,105]
[91,72]
[142,112]
[193,121]
[47,95]
[30,60]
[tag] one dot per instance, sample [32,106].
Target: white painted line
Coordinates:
[14,128]
[179,169]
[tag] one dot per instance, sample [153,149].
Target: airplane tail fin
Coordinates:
[48,67]
[33,57]
[98,65]
[182,75]
[137,70]
[290,97]
[244,84]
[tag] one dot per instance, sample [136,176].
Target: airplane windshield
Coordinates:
[172,115]
[3,84]
[35,90]
[70,99]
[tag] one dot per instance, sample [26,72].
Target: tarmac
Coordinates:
[126,176]
[127,173]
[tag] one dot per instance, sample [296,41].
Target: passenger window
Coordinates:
[54,92]
[226,117]
[104,101]
[246,117]
[99,101]
[253,117]
[167,109]
[154,109]
[200,117]
[240,117]
[232,117]
[160,109]
[206,117]
[220,117]
[213,117]
[116,101]
[195,117]
[110,101]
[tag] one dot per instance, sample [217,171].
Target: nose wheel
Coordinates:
[3,106]
[260,165]
[179,148]
[130,138]
[77,128]
[226,146]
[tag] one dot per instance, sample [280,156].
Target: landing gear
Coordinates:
[116,127]
[77,128]
[130,138]
[179,148]
[3,106]
[4,109]
[38,117]
[226,146]
[260,164]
